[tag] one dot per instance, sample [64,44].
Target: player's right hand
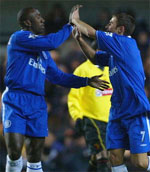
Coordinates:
[74,14]
[95,82]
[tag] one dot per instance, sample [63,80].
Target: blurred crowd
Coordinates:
[64,150]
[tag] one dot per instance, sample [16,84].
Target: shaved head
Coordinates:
[30,19]
[23,15]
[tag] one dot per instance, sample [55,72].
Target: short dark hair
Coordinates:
[127,21]
[23,15]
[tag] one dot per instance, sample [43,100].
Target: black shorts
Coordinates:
[95,134]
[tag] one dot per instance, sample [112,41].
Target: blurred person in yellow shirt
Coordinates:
[89,108]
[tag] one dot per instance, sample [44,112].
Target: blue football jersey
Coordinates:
[126,73]
[29,62]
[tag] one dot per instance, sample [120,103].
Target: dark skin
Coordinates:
[15,141]
[35,22]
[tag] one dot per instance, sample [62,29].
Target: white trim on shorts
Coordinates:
[148,126]
[3,104]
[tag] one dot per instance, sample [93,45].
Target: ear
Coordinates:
[121,30]
[27,23]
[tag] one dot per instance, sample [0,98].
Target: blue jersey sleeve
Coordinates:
[36,43]
[102,58]
[108,42]
[56,76]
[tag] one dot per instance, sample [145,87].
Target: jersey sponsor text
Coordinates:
[36,65]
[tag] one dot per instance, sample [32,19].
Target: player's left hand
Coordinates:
[98,83]
[74,14]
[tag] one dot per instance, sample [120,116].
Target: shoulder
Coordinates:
[128,41]
[25,34]
[13,37]
[123,37]
[102,33]
[22,32]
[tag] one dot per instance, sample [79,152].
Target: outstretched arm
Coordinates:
[37,43]
[56,76]
[100,58]
[86,49]
[83,27]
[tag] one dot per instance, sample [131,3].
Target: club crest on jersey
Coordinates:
[109,34]
[7,124]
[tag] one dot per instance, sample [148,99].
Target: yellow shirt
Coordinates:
[88,101]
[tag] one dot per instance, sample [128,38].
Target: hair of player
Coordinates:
[23,15]
[127,21]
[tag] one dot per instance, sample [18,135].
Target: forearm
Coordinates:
[87,50]
[85,28]
[59,37]
[67,80]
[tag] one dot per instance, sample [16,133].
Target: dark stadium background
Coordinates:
[65,151]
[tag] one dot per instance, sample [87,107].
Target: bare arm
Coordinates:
[83,27]
[86,49]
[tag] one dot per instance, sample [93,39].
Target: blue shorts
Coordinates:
[131,134]
[24,113]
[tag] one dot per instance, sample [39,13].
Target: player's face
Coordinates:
[37,22]
[112,25]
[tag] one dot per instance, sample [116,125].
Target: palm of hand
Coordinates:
[74,14]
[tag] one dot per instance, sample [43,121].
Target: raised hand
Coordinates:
[98,83]
[74,14]
[76,33]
